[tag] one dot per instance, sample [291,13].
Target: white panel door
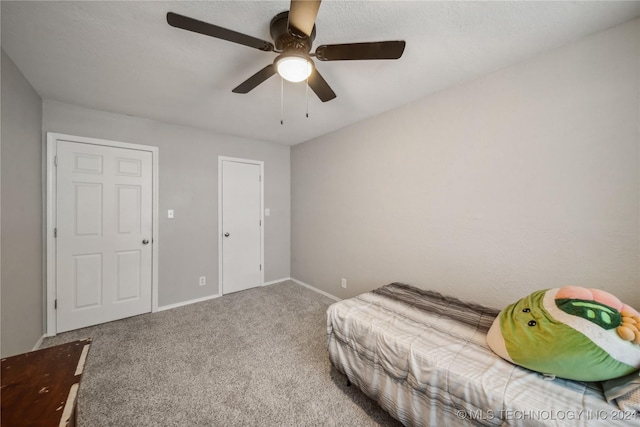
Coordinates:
[104,229]
[241,226]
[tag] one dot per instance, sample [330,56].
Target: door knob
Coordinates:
[145,242]
[226,234]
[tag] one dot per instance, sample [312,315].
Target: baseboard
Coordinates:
[273,282]
[181,304]
[38,343]
[326,294]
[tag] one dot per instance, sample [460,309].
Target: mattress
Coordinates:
[423,357]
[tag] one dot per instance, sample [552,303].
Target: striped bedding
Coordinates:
[423,357]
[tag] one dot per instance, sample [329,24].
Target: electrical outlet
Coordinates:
[344,283]
[203,280]
[170,214]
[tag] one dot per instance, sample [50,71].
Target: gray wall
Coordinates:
[22,217]
[188,184]
[525,179]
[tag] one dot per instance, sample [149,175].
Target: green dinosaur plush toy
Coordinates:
[571,332]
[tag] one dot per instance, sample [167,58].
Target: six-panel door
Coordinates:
[104,231]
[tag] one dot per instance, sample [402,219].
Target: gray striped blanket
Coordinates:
[434,302]
[424,358]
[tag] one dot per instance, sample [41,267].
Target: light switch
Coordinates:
[170,214]
[267,212]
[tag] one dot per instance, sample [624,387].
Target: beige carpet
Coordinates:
[253,358]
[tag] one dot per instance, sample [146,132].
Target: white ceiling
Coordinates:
[122,56]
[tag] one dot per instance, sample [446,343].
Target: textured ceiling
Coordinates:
[122,56]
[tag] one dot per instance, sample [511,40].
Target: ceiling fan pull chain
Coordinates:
[306,92]
[281,101]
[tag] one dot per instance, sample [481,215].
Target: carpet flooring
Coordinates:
[253,358]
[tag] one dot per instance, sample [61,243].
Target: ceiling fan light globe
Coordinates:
[294,68]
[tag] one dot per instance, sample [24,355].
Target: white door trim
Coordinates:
[260,163]
[52,139]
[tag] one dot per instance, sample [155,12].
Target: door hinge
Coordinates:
[260,223]
[55,233]
[260,267]
[55,160]
[259,178]
[55,304]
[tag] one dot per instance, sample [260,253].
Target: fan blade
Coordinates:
[354,51]
[302,15]
[190,24]
[253,81]
[320,86]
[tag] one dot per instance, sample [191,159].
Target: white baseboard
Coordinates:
[273,282]
[326,294]
[183,303]
[38,343]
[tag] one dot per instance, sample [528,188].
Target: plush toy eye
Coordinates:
[532,323]
[525,310]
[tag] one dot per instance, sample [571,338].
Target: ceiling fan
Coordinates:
[293,32]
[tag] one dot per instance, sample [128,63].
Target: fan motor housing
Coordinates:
[286,40]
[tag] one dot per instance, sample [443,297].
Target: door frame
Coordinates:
[50,247]
[260,163]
